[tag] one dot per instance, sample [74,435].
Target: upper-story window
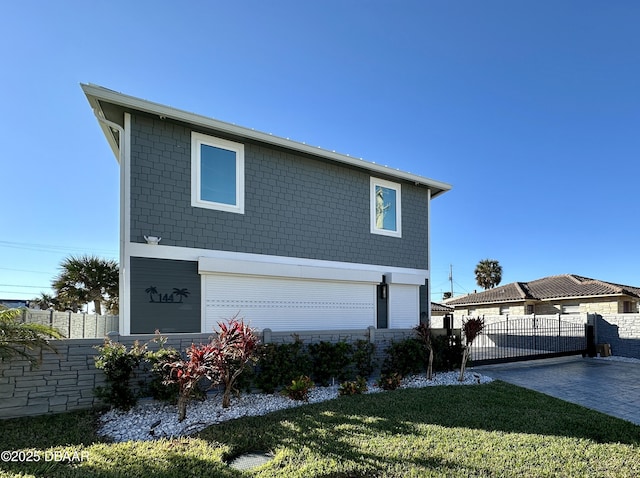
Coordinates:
[217,173]
[386,214]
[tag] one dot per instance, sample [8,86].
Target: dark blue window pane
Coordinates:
[217,175]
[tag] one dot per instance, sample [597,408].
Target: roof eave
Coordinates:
[96,93]
[505,301]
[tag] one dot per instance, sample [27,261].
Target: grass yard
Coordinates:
[486,430]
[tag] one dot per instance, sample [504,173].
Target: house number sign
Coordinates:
[174,297]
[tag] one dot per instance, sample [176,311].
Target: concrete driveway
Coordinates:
[605,385]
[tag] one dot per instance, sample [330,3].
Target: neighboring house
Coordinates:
[219,220]
[438,313]
[14,303]
[562,294]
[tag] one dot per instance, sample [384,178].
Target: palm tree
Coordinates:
[87,279]
[17,337]
[151,291]
[45,301]
[488,273]
[181,293]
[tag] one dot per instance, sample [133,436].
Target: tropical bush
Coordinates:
[448,352]
[187,374]
[330,361]
[279,364]
[235,349]
[423,332]
[471,329]
[404,357]
[299,388]
[222,362]
[18,339]
[357,387]
[159,387]
[389,380]
[118,364]
[362,358]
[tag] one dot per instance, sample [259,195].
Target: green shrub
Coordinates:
[447,353]
[118,364]
[159,387]
[389,381]
[330,361]
[279,364]
[299,388]
[357,387]
[362,358]
[405,357]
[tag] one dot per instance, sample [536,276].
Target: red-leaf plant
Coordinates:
[236,344]
[423,331]
[222,362]
[471,328]
[188,373]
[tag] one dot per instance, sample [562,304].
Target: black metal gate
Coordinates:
[527,338]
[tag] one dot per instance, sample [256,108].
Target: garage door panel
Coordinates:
[289,304]
[404,306]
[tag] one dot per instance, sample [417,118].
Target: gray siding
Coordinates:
[162,309]
[295,206]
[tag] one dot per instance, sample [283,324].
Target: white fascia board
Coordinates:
[405,278]
[210,261]
[208,265]
[95,93]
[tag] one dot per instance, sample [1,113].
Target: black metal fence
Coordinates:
[526,338]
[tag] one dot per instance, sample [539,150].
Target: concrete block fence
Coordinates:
[66,380]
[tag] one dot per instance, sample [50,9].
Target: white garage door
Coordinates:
[289,304]
[404,306]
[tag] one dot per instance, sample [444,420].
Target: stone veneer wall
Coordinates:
[621,332]
[65,380]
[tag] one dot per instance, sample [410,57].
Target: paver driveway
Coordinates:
[609,386]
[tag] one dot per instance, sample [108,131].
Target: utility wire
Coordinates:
[54,248]
[29,286]
[24,270]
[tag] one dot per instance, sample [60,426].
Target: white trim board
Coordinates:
[212,261]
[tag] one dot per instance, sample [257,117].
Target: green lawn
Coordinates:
[486,430]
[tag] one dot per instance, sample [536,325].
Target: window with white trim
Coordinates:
[217,173]
[386,211]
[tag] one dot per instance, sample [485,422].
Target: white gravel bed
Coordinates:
[151,419]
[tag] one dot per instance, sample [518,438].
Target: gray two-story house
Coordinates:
[219,220]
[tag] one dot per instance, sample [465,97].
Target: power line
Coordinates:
[24,270]
[54,248]
[29,286]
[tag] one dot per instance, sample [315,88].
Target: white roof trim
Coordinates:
[97,93]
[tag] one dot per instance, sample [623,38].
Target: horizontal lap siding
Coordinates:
[289,304]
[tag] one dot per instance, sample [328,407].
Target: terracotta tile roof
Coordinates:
[567,285]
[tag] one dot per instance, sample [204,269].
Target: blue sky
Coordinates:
[530,109]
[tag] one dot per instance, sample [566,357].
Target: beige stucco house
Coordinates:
[561,294]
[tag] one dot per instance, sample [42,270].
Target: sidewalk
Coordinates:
[605,385]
